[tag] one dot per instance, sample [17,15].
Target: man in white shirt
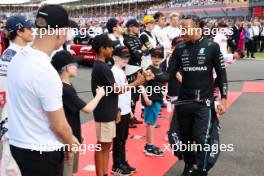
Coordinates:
[20,34]
[172,31]
[221,39]
[38,128]
[256,29]
[250,45]
[115,31]
[262,37]
[160,19]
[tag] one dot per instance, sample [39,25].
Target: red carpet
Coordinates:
[253,87]
[232,97]
[135,147]
[145,165]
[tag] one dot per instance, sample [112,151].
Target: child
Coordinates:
[107,113]
[153,107]
[67,67]
[120,165]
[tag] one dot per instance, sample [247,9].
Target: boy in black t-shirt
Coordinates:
[67,67]
[151,112]
[107,113]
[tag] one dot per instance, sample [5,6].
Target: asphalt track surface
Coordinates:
[242,125]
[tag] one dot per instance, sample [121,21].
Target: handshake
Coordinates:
[144,77]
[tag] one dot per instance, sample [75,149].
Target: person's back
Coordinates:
[38,128]
[31,105]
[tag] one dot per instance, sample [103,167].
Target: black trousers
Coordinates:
[34,163]
[262,43]
[195,123]
[250,46]
[119,144]
[256,43]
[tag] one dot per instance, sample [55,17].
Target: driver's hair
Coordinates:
[197,21]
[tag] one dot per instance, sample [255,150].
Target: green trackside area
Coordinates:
[259,55]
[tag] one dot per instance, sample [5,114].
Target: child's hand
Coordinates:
[67,156]
[148,75]
[100,91]
[140,80]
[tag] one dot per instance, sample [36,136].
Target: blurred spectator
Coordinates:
[262,37]
[2,38]
[249,40]
[256,35]
[171,31]
[242,37]
[160,20]
[236,34]
[115,31]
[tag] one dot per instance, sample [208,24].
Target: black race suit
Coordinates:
[134,45]
[197,61]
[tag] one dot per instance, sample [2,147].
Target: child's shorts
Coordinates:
[151,113]
[105,131]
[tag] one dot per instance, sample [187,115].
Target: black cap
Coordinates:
[54,16]
[63,58]
[111,23]
[132,23]
[73,24]
[17,22]
[102,40]
[121,52]
[157,52]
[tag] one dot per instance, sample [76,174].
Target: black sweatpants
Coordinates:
[250,46]
[195,123]
[34,163]
[119,144]
[262,43]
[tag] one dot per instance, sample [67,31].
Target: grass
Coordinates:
[259,55]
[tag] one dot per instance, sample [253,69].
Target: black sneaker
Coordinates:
[188,171]
[131,169]
[122,170]
[197,172]
[154,151]
[136,121]
[132,125]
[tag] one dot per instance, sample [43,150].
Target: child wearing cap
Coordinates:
[152,109]
[149,40]
[107,113]
[67,67]
[120,165]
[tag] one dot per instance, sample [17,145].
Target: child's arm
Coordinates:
[94,102]
[148,102]
[141,79]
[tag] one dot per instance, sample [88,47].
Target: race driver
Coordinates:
[196,58]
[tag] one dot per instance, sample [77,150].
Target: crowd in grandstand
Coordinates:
[138,9]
